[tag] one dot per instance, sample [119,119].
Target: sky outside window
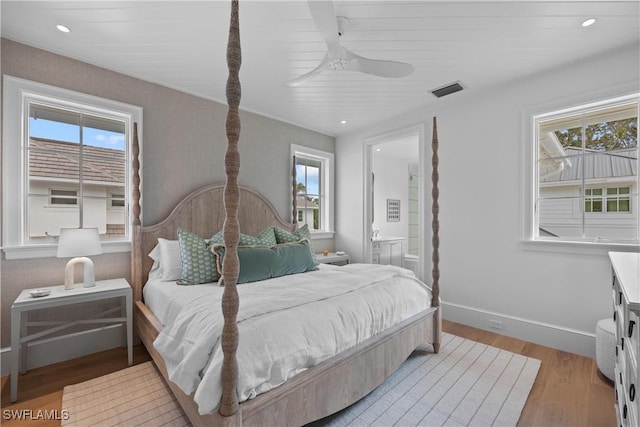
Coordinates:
[312,175]
[59,131]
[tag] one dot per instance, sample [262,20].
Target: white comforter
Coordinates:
[286,325]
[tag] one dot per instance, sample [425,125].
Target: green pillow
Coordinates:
[261,263]
[284,236]
[293,258]
[217,238]
[266,237]
[198,263]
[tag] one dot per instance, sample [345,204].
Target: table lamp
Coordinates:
[79,243]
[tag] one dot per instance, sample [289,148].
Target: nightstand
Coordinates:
[59,297]
[332,258]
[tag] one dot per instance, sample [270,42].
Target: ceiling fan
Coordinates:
[339,58]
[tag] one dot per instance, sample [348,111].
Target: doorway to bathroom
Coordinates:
[394,211]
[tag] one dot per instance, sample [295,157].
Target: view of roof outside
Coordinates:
[70,187]
[588,175]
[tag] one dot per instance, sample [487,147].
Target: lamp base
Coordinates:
[89,276]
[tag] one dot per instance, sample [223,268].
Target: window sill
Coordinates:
[578,247]
[322,235]
[51,250]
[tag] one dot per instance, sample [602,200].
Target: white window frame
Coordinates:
[16,94]
[530,238]
[326,186]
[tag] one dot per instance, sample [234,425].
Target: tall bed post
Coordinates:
[230,265]
[294,193]
[435,239]
[136,256]
[299,401]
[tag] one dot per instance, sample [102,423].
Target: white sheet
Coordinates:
[286,325]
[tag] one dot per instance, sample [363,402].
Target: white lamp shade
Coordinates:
[78,242]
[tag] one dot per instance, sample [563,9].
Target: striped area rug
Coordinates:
[136,396]
[466,384]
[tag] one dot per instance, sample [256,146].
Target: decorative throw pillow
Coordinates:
[266,237]
[217,238]
[261,263]
[198,263]
[293,258]
[284,236]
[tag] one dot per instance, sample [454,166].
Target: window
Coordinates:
[617,200]
[63,197]
[314,189]
[117,200]
[70,152]
[586,173]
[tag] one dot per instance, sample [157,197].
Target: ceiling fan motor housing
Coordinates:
[343,24]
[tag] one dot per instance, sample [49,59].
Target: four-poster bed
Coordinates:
[322,389]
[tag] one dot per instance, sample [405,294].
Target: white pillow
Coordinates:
[167,263]
[156,269]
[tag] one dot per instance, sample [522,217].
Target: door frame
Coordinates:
[369,144]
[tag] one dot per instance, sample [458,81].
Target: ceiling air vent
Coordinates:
[447,90]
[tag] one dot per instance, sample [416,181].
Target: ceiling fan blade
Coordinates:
[324,16]
[378,67]
[311,74]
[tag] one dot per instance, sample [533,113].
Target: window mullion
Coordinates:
[81,172]
[583,179]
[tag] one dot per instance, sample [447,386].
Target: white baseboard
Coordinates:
[558,337]
[57,349]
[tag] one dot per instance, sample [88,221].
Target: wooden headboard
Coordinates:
[201,212]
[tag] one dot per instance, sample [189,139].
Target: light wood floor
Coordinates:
[569,390]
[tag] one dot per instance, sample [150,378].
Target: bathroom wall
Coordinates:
[391,182]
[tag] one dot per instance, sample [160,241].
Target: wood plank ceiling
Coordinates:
[182,45]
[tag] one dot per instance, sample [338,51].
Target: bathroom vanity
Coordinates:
[387,250]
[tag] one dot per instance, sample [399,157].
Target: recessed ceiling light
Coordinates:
[589,22]
[343,122]
[63,28]
[378,149]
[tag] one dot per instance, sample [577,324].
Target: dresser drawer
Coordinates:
[632,333]
[631,378]
[622,410]
[626,300]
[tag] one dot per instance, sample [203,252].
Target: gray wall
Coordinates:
[553,296]
[184,143]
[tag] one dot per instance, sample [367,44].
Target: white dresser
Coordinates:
[626,303]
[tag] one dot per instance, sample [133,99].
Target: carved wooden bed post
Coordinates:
[136,256]
[435,239]
[294,191]
[308,396]
[230,265]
